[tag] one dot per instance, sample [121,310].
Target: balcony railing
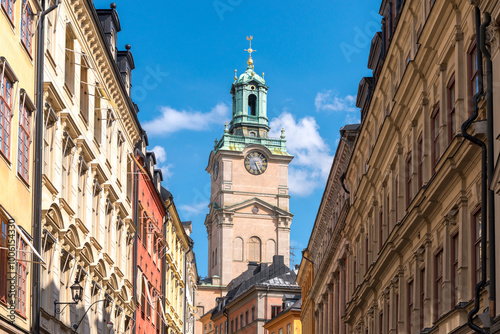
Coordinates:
[235,142]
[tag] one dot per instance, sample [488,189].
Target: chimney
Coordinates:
[252,265]
[278,260]
[216,280]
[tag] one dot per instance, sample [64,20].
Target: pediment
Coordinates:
[263,207]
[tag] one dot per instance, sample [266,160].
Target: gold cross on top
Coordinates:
[250,50]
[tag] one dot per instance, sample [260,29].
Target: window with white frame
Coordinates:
[82,189]
[96,209]
[27,26]
[69,61]
[5,110]
[50,120]
[24,139]
[67,162]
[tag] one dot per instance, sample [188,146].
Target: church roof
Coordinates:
[250,75]
[276,275]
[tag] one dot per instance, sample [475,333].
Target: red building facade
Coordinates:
[149,244]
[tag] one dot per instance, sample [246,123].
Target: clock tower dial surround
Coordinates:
[249,218]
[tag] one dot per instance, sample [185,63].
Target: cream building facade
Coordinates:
[411,248]
[322,271]
[190,281]
[90,130]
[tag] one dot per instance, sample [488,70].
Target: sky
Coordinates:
[313,54]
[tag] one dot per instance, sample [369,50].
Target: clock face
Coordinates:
[216,170]
[255,163]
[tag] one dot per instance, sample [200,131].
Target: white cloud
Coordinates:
[311,165]
[327,100]
[194,209]
[161,159]
[172,120]
[296,244]
[330,101]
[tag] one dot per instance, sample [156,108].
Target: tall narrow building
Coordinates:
[249,218]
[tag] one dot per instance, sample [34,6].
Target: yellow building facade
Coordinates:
[305,278]
[17,115]
[287,322]
[176,296]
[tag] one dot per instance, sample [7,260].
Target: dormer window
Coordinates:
[252,105]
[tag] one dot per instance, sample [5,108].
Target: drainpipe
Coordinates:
[185,283]
[135,211]
[482,283]
[164,276]
[265,309]
[491,166]
[306,258]
[226,313]
[37,168]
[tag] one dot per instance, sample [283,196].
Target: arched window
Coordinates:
[254,249]
[238,249]
[270,250]
[252,105]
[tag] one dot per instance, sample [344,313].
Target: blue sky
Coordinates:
[313,55]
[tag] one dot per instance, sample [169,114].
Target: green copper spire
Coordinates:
[249,124]
[249,93]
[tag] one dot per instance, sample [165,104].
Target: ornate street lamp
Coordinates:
[76,291]
[109,324]
[76,295]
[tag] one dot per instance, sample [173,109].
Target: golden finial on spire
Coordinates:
[250,50]
[235,75]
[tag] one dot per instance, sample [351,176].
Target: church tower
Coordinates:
[249,218]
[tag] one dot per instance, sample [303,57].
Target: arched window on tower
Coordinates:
[270,250]
[252,105]
[238,249]
[254,249]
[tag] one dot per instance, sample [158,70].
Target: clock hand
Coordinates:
[257,164]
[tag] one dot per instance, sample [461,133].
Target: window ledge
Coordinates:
[25,48]
[4,11]
[97,145]
[51,60]
[23,181]
[49,185]
[69,92]
[67,207]
[7,161]
[84,120]
[108,164]
[81,225]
